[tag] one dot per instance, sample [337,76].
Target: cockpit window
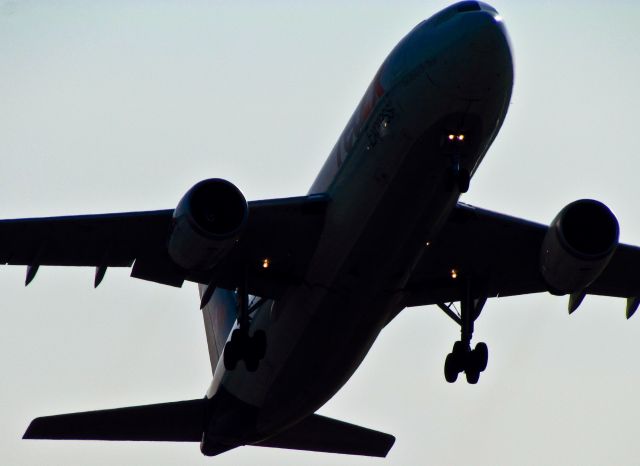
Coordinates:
[453,10]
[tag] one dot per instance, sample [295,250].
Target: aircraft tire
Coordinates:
[259,344]
[230,357]
[451,368]
[481,356]
[251,363]
[473,375]
[459,350]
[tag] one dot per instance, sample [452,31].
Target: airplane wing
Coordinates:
[502,254]
[284,230]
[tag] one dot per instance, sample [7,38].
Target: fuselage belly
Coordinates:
[389,182]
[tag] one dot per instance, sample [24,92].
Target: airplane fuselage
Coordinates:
[389,178]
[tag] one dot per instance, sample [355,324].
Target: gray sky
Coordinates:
[115,106]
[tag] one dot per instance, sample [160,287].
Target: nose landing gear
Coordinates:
[462,358]
[459,177]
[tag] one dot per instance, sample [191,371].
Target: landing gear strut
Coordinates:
[459,177]
[242,346]
[462,358]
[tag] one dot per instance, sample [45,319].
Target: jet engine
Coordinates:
[578,246]
[206,223]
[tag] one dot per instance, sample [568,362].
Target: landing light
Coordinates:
[454,273]
[460,137]
[451,137]
[266,263]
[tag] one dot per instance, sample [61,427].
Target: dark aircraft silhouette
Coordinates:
[295,291]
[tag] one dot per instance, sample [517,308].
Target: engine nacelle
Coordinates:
[206,223]
[578,246]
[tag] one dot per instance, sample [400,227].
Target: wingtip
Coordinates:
[391,440]
[31,432]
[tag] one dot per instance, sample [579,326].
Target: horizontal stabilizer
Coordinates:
[323,434]
[180,421]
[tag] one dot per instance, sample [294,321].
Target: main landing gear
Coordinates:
[462,358]
[242,346]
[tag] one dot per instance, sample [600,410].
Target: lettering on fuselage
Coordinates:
[354,128]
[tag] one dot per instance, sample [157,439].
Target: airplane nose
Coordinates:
[474,59]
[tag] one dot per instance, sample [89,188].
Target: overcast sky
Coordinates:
[116,106]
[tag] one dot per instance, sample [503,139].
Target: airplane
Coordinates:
[295,291]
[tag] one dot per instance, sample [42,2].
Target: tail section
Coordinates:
[187,421]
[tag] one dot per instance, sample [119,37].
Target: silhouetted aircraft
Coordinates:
[295,291]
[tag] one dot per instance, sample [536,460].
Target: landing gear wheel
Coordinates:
[455,362]
[230,356]
[251,364]
[256,349]
[235,349]
[239,340]
[473,375]
[259,343]
[462,358]
[243,347]
[451,368]
[459,350]
[481,353]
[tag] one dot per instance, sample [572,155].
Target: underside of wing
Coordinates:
[503,256]
[501,253]
[114,240]
[270,251]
